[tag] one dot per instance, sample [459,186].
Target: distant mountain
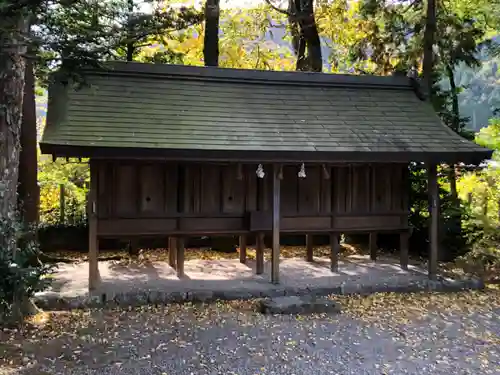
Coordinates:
[481,95]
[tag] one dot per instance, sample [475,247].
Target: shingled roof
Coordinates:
[169,111]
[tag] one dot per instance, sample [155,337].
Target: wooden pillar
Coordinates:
[373,246]
[403,249]
[433,191]
[275,253]
[172,252]
[134,247]
[180,257]
[259,254]
[243,249]
[334,252]
[309,248]
[94,278]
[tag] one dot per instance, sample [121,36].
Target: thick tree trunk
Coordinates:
[211,39]
[12,70]
[429,37]
[310,32]
[130,48]
[28,183]
[305,37]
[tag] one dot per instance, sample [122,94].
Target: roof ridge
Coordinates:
[186,72]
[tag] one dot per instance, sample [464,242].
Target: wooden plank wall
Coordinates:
[222,196]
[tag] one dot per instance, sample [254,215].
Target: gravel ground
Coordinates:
[381,334]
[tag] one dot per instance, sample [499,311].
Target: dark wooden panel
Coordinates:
[326,193]
[368,222]
[360,189]
[397,181]
[171,181]
[103,189]
[152,181]
[289,191]
[126,190]
[192,188]
[251,188]
[309,191]
[306,223]
[264,189]
[132,227]
[233,190]
[210,189]
[215,225]
[267,183]
[342,188]
[381,188]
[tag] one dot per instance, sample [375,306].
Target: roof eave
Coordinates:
[472,157]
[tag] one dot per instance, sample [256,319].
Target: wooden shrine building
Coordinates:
[178,151]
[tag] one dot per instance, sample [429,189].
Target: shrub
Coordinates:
[22,273]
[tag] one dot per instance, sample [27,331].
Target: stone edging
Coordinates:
[52,301]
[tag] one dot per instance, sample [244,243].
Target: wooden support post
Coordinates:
[403,249]
[94,278]
[275,254]
[172,252]
[259,254]
[243,249]
[373,246]
[334,252]
[180,257]
[134,247]
[433,191]
[309,248]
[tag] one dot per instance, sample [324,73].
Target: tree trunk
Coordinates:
[211,39]
[310,32]
[305,37]
[28,183]
[452,175]
[429,36]
[130,48]
[294,27]
[12,71]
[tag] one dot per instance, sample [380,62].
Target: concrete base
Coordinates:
[299,305]
[209,280]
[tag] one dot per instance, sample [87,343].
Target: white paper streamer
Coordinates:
[260,171]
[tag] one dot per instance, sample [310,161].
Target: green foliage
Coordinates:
[74,176]
[484,257]
[490,137]
[22,273]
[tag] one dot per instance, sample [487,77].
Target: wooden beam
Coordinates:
[243,249]
[373,246]
[275,253]
[334,252]
[433,191]
[180,257]
[172,252]
[403,249]
[259,254]
[309,248]
[94,278]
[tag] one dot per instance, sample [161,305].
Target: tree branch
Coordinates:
[282,11]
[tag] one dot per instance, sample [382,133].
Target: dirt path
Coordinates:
[383,334]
